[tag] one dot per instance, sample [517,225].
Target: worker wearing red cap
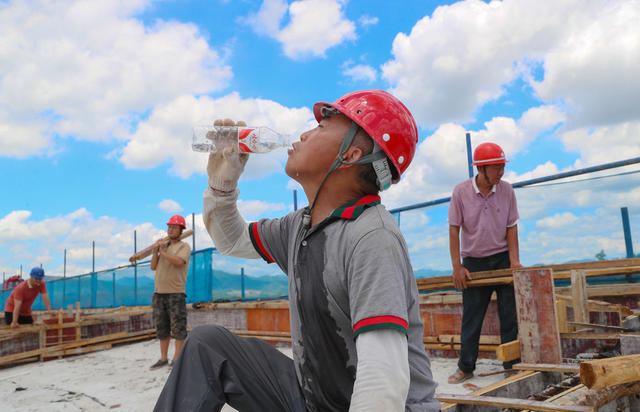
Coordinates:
[483,211]
[354,311]
[170,260]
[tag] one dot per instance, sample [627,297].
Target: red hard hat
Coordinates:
[488,154]
[385,119]
[177,220]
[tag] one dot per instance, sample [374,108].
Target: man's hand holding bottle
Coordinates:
[225,167]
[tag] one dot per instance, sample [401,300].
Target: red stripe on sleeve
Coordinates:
[256,236]
[381,319]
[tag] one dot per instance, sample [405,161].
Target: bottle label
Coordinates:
[248,140]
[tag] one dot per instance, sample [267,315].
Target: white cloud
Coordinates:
[267,20]
[441,159]
[366,20]
[557,220]
[314,26]
[594,65]
[466,53]
[360,73]
[604,144]
[258,208]
[167,133]
[44,241]
[170,206]
[88,68]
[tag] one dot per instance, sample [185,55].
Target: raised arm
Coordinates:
[222,219]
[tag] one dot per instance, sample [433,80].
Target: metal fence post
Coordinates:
[627,231]
[242,283]
[64,278]
[469,155]
[135,270]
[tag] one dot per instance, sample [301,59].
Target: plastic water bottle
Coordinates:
[245,138]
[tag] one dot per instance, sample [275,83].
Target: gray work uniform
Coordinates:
[348,274]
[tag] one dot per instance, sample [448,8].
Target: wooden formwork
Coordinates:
[73,332]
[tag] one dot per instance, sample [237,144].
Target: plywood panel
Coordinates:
[537,323]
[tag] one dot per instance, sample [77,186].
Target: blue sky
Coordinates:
[97,100]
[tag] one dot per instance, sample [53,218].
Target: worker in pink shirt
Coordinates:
[483,212]
[17,310]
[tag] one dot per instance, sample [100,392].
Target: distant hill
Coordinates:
[429,273]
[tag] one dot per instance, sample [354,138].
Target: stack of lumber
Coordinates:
[561,271]
[545,387]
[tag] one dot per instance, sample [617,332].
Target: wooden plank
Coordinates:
[484,339]
[600,373]
[81,350]
[546,367]
[579,294]
[557,396]
[456,346]
[601,397]
[631,266]
[599,306]
[37,352]
[501,402]
[537,323]
[596,291]
[78,333]
[596,326]
[561,315]
[42,341]
[496,386]
[520,385]
[60,322]
[595,335]
[508,351]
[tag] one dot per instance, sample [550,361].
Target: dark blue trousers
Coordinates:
[475,301]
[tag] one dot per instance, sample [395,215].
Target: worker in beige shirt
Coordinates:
[170,260]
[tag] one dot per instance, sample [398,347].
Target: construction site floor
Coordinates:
[120,379]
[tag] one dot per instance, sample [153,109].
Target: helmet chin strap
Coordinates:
[486,176]
[377,157]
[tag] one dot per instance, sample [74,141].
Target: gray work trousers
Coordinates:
[217,367]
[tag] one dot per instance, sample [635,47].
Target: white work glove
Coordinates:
[225,167]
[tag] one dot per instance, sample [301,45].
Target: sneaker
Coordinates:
[158,364]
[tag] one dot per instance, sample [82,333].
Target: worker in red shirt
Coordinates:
[22,298]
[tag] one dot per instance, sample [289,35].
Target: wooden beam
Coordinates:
[627,266]
[546,367]
[78,332]
[622,289]
[561,315]
[596,326]
[537,323]
[484,339]
[600,397]
[520,385]
[579,294]
[508,351]
[599,306]
[595,335]
[501,402]
[456,346]
[600,373]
